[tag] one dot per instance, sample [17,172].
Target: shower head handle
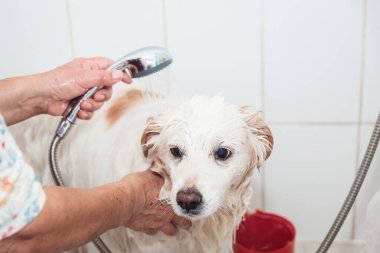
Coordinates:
[139,63]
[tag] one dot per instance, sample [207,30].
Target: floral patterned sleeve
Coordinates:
[21,194]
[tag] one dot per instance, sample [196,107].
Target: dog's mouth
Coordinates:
[191,213]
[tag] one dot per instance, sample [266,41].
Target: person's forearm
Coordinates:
[19,98]
[70,218]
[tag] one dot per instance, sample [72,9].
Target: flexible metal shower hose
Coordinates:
[98,242]
[350,199]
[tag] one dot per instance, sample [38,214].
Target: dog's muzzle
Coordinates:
[190,201]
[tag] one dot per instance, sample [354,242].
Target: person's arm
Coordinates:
[50,92]
[69,218]
[72,217]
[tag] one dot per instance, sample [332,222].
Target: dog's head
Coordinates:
[206,149]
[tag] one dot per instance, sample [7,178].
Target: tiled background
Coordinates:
[311,66]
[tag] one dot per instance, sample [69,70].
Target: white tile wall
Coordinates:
[118,27]
[115,27]
[309,174]
[371,89]
[34,36]
[257,184]
[216,47]
[312,60]
[300,61]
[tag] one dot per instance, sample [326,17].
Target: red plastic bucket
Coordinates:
[263,232]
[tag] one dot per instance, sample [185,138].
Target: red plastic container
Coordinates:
[265,232]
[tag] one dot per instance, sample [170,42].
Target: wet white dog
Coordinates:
[205,148]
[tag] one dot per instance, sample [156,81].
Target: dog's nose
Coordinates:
[189,199]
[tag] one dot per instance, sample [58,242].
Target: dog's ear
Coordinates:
[260,130]
[149,141]
[152,130]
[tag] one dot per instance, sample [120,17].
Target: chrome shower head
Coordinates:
[144,61]
[139,63]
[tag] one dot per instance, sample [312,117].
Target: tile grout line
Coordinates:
[165,37]
[263,107]
[360,110]
[69,22]
[164,22]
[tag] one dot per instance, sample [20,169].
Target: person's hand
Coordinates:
[148,214]
[50,92]
[74,79]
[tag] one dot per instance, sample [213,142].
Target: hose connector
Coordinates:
[63,128]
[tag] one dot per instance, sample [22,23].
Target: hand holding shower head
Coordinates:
[139,63]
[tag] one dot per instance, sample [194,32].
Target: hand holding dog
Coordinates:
[72,217]
[148,214]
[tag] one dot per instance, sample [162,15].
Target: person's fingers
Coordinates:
[91,78]
[150,231]
[181,222]
[90,105]
[84,115]
[127,78]
[99,62]
[90,63]
[103,94]
[154,176]
[169,229]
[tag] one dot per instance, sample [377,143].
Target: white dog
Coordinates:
[205,148]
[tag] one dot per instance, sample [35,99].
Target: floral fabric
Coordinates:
[21,193]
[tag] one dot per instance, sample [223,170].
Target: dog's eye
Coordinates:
[176,152]
[222,153]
